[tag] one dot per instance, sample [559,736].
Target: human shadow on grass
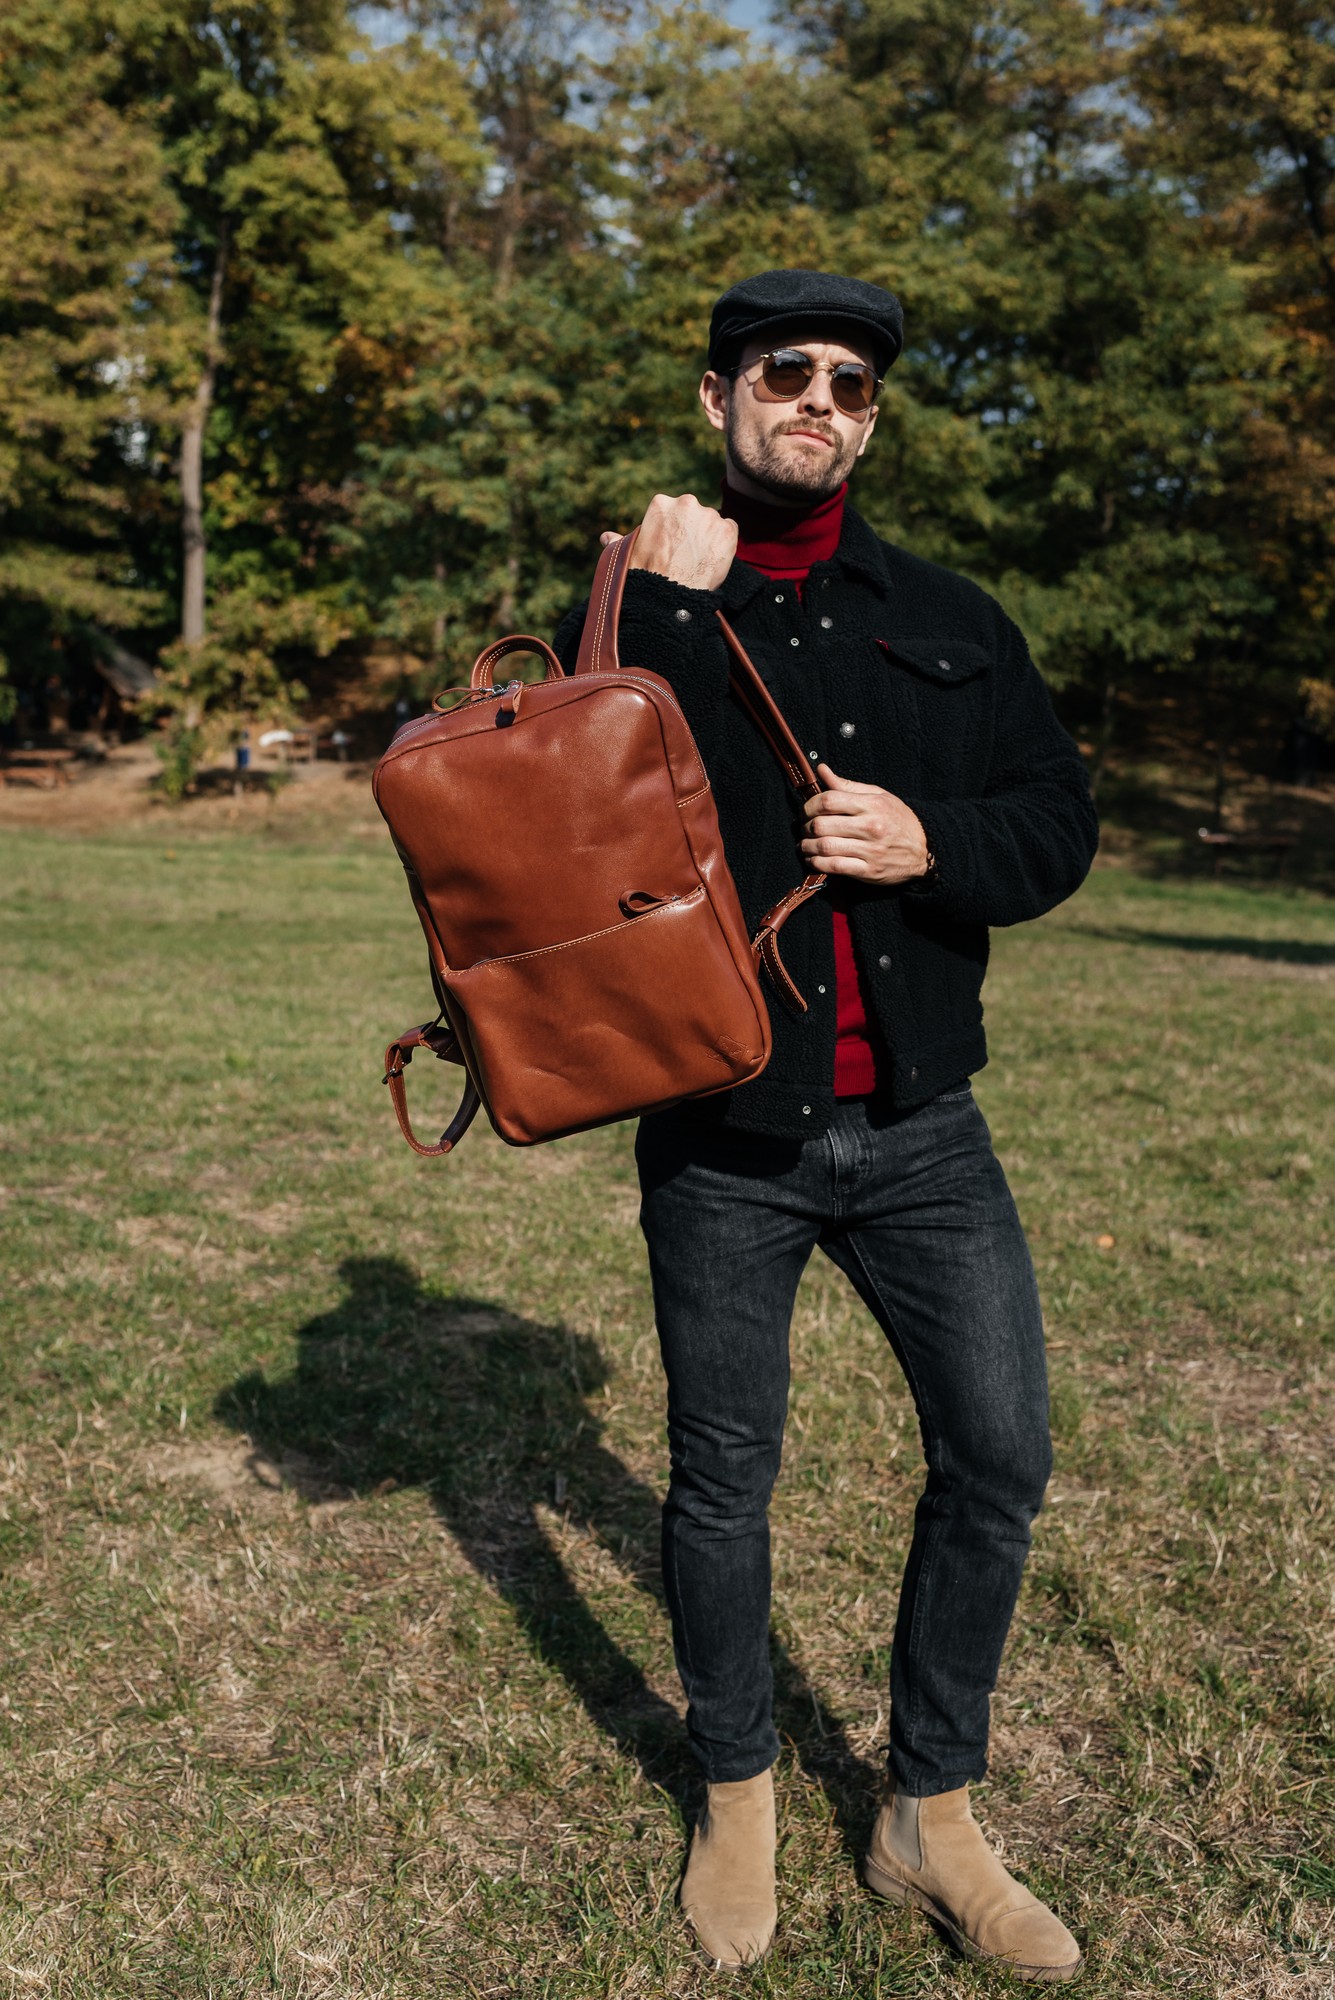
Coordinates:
[1278,951]
[492,1415]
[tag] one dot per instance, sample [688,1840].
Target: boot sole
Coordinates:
[896,1891]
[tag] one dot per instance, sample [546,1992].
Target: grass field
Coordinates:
[334,1660]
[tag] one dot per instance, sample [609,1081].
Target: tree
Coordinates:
[85,304]
[236,280]
[1079,357]
[324,340]
[1242,97]
[486,495]
[288,141]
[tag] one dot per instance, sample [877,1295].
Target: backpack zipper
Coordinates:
[434,715]
[491,693]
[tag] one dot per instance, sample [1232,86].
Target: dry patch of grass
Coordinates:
[334,1655]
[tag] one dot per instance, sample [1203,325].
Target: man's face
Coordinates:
[797,451]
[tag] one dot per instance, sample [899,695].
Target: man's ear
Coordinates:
[869,428]
[714,392]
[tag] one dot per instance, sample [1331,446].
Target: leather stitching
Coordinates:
[784,908]
[589,937]
[614,551]
[602,614]
[499,649]
[692,795]
[571,687]
[778,971]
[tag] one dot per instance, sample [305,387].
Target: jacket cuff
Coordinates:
[651,597]
[950,888]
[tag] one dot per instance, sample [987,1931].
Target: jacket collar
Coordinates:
[859,554]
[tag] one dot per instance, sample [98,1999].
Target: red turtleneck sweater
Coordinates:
[783,543]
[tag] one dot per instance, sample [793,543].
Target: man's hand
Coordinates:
[681,540]
[861,830]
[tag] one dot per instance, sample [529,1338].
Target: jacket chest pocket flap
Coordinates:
[945,663]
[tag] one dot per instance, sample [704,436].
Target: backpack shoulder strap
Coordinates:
[768,717]
[772,723]
[598,655]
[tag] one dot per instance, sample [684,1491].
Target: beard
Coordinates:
[797,477]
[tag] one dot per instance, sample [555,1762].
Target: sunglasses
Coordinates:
[787,373]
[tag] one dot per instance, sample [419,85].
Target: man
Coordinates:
[953,800]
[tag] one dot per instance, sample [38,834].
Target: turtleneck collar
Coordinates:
[784,541]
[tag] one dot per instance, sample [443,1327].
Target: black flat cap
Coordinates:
[813,299]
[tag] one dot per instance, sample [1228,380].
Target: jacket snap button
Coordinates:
[814,756]
[806,1111]
[683,614]
[913,1076]
[825,624]
[884,961]
[779,598]
[820,989]
[848,729]
[794,642]
[944,666]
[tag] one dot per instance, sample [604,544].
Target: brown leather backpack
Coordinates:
[587,947]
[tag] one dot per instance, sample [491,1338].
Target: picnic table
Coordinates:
[1280,845]
[36,767]
[290,745]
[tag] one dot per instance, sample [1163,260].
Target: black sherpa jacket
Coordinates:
[901,674]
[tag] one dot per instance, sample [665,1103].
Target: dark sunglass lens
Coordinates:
[853,388]
[787,373]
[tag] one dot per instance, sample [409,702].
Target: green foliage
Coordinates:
[85,309]
[462,281]
[1240,97]
[179,749]
[291,143]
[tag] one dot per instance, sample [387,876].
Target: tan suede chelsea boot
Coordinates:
[727,1892]
[931,1853]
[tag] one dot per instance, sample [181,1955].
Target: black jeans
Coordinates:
[916,1211]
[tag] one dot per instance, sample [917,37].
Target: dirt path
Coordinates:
[119,790]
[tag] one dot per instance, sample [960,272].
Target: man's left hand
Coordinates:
[861,830]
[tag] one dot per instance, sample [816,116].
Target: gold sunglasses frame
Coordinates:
[820,368]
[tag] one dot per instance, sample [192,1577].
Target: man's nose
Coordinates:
[816,400]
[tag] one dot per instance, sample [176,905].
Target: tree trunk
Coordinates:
[507,609]
[438,622]
[449,223]
[1223,743]
[1108,707]
[510,211]
[192,462]
[1104,740]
